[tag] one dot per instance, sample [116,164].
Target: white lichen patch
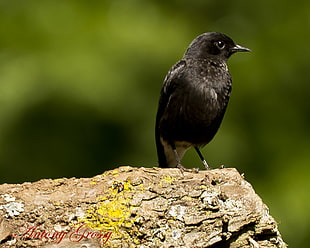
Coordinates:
[12,208]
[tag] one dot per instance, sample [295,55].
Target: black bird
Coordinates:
[193,98]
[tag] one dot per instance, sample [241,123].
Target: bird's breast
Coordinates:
[205,102]
[196,107]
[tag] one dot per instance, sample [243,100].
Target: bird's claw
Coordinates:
[183,169]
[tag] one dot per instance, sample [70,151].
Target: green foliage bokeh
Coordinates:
[80,81]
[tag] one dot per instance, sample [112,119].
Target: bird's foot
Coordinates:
[183,169]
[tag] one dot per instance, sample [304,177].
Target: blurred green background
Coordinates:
[80,81]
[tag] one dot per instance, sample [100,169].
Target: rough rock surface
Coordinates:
[137,207]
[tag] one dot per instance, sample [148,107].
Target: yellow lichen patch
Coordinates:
[114,172]
[166,180]
[203,187]
[113,210]
[187,198]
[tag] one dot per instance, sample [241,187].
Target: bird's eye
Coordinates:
[220,44]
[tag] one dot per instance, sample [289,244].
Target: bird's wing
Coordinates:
[170,84]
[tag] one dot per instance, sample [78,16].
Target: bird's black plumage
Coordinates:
[194,97]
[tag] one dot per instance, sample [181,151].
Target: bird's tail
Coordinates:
[162,161]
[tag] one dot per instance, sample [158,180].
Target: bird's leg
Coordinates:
[202,158]
[177,157]
[179,164]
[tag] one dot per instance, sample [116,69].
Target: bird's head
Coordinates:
[213,45]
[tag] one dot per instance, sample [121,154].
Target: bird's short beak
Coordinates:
[238,48]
